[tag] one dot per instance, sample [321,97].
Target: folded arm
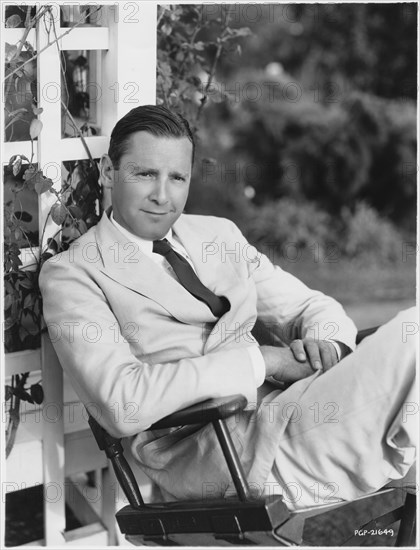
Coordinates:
[125,394]
[310,323]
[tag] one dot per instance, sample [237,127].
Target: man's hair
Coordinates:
[157,120]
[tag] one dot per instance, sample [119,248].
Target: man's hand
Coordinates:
[320,353]
[302,359]
[281,364]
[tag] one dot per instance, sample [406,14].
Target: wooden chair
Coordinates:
[240,520]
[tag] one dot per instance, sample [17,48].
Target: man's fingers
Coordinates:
[298,350]
[321,355]
[291,369]
[313,354]
[328,355]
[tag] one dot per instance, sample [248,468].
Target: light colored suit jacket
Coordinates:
[138,346]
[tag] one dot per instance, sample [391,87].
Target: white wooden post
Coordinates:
[53,447]
[49,98]
[129,66]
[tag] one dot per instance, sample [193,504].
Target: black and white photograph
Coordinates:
[210,274]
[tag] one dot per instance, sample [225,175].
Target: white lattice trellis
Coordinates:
[47,451]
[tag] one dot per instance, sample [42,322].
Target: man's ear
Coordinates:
[106,172]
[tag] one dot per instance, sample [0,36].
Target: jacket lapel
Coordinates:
[123,262]
[204,249]
[220,277]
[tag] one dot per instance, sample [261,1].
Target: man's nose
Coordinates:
[160,191]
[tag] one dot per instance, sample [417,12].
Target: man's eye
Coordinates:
[179,178]
[144,174]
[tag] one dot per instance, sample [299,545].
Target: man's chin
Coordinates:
[156,227]
[155,233]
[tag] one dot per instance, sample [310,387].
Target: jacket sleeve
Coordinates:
[127,395]
[288,307]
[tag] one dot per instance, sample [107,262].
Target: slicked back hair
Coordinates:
[155,119]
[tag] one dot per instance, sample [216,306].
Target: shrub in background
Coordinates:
[392,187]
[362,148]
[369,237]
[334,163]
[287,221]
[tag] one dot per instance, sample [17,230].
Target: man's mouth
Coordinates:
[155,213]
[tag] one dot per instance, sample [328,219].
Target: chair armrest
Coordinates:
[204,412]
[365,332]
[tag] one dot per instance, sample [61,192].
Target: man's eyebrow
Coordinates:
[138,168]
[178,173]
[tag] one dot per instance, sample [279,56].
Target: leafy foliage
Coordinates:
[288,222]
[367,236]
[20,106]
[77,205]
[332,49]
[349,135]
[190,46]
[361,149]
[76,208]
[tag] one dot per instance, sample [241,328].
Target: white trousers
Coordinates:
[355,427]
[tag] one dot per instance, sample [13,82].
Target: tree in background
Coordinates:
[319,111]
[334,48]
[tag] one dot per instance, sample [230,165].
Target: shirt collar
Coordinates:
[144,245]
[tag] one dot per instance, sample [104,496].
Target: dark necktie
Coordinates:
[189,280]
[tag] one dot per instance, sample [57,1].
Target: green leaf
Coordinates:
[13,21]
[23,395]
[166,29]
[37,393]
[17,165]
[43,184]
[76,212]
[22,332]
[29,172]
[8,300]
[29,301]
[81,225]
[14,157]
[52,244]
[8,392]
[11,51]
[35,128]
[8,287]
[45,256]
[58,213]
[164,68]
[37,110]
[26,283]
[10,321]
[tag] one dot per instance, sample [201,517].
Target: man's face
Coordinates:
[150,188]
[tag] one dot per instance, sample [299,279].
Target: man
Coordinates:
[155,310]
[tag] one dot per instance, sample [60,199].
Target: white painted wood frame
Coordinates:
[128,79]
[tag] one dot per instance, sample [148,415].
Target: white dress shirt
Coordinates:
[146,247]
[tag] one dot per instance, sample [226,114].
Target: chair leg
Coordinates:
[407,531]
[232,459]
